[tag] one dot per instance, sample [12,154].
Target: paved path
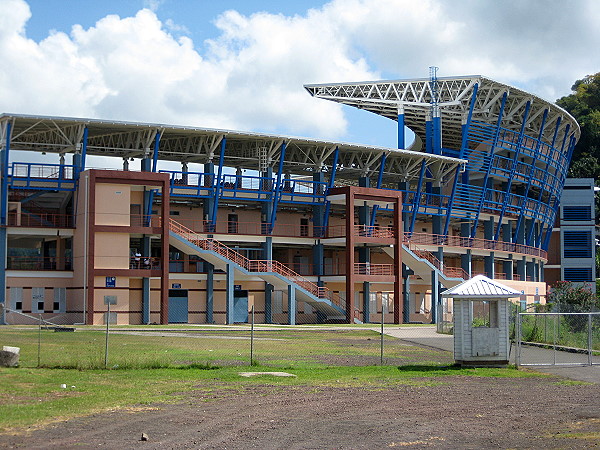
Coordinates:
[427,336]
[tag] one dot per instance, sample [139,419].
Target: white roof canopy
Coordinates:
[481,287]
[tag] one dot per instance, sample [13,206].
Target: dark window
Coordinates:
[40,306]
[577,244]
[55,306]
[18,306]
[232,223]
[173,213]
[303,227]
[575,213]
[578,274]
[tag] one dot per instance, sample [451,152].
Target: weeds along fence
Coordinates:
[573,337]
[44,343]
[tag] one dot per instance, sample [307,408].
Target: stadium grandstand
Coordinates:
[216,222]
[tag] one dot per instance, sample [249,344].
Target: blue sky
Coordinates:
[241,64]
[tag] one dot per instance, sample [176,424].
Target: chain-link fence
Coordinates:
[558,338]
[44,343]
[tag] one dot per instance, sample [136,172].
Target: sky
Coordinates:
[242,64]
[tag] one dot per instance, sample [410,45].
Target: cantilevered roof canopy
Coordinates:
[415,98]
[202,145]
[481,287]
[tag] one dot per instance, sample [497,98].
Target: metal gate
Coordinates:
[178,306]
[555,338]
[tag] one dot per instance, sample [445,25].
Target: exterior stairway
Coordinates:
[423,262]
[273,272]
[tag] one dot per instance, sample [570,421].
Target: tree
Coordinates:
[584,105]
[566,296]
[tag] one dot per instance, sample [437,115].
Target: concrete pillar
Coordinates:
[269,303]
[267,246]
[318,208]
[489,265]
[291,305]
[210,292]
[508,268]
[318,259]
[406,272]
[521,269]
[366,298]
[435,295]
[146,300]
[229,294]
[403,186]
[530,268]
[466,262]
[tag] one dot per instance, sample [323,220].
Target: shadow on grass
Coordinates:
[428,368]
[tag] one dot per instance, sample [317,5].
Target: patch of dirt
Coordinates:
[453,412]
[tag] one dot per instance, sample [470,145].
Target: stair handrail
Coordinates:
[451,272]
[254,265]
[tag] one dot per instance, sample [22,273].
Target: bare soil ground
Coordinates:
[446,412]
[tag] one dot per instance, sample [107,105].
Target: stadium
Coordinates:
[216,223]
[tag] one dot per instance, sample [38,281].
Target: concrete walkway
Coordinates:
[428,337]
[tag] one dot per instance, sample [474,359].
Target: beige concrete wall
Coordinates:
[113,204]
[112,251]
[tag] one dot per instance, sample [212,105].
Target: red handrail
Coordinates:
[252,265]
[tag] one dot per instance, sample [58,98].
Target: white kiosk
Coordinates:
[481,318]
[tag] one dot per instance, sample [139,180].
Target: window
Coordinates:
[303,227]
[232,223]
[578,274]
[37,299]
[16,298]
[577,244]
[60,300]
[173,213]
[577,213]
[372,302]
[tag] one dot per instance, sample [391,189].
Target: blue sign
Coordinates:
[176,286]
[111,281]
[237,287]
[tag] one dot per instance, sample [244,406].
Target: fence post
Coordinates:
[106,344]
[252,338]
[590,338]
[39,342]
[381,356]
[518,336]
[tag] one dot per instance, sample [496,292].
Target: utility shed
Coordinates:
[481,318]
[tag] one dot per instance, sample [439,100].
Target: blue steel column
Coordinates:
[401,139]
[330,186]
[417,201]
[291,305]
[277,188]
[436,129]
[428,132]
[229,296]
[513,169]
[269,302]
[217,185]
[317,218]
[466,260]
[507,265]
[4,219]
[209,202]
[210,292]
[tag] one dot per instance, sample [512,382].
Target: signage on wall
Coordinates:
[176,286]
[237,287]
[111,282]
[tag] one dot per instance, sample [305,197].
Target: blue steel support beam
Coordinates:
[336,154]
[229,295]
[4,153]
[417,201]
[490,164]
[218,183]
[513,167]
[277,188]
[451,201]
[428,133]
[532,170]
[465,135]
[291,305]
[401,139]
[436,124]
[155,153]
[84,149]
[381,169]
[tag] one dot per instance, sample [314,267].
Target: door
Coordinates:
[240,306]
[178,306]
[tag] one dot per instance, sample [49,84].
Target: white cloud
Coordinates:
[250,75]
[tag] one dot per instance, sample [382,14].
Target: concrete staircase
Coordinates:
[273,272]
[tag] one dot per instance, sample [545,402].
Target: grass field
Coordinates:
[161,365]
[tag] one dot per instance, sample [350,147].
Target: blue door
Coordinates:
[240,306]
[178,306]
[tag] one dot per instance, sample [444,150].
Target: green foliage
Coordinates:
[584,105]
[568,297]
